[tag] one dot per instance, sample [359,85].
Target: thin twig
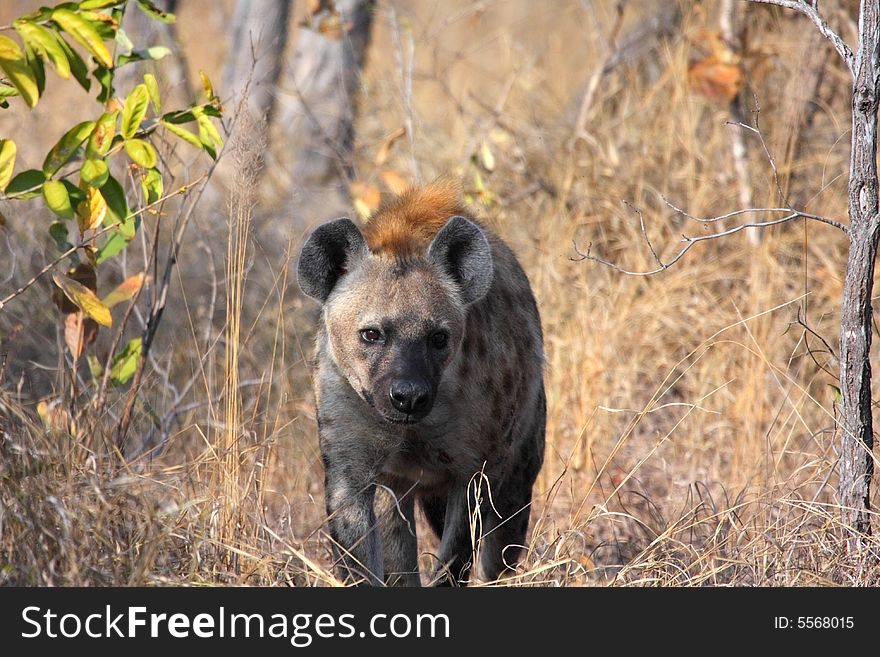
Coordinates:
[799,213]
[644,232]
[690,242]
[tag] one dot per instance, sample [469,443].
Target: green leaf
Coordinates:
[113,246]
[77,65]
[58,232]
[183,133]
[88,5]
[153,90]
[42,14]
[8,92]
[117,206]
[76,194]
[152,186]
[94,173]
[102,137]
[104,76]
[36,63]
[66,148]
[57,199]
[129,227]
[180,116]
[46,44]
[155,13]
[141,153]
[7,161]
[85,33]
[125,363]
[26,184]
[144,55]
[22,77]
[135,110]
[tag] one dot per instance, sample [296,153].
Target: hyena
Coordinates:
[429,386]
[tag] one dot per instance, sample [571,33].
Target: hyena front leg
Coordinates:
[395,511]
[456,550]
[357,548]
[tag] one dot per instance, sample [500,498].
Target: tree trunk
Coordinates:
[312,133]
[256,54]
[857,436]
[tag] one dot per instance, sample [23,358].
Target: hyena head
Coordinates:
[394,320]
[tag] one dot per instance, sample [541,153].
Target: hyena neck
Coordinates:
[404,227]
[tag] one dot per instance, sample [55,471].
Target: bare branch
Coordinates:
[804,215]
[811,11]
[645,232]
[689,244]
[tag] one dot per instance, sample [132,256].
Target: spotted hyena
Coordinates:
[428,379]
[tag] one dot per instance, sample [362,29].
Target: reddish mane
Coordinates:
[406,225]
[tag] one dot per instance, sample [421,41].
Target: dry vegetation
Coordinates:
[691,433]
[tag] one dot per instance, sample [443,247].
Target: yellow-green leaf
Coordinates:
[85,33]
[94,172]
[208,86]
[154,12]
[67,146]
[98,4]
[57,199]
[125,363]
[7,161]
[135,110]
[46,44]
[208,132]
[125,290]
[102,137]
[153,91]
[183,133]
[114,244]
[20,74]
[77,66]
[151,184]
[141,153]
[84,299]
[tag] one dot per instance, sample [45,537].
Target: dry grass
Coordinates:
[691,428]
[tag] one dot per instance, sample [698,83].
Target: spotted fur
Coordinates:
[417,269]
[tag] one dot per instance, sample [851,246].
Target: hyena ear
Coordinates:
[462,249]
[329,252]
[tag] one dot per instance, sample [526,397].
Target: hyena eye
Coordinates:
[371,335]
[439,339]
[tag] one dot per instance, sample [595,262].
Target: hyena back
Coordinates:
[429,386]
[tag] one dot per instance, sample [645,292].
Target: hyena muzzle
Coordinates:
[429,387]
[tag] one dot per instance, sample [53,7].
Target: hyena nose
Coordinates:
[407,396]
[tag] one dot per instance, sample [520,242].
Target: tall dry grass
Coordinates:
[692,421]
